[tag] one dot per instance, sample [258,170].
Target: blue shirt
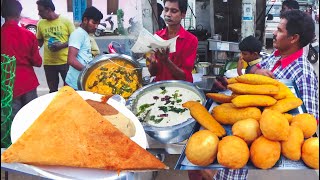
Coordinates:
[296,67]
[79,39]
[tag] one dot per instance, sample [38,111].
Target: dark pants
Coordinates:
[52,75]
[19,102]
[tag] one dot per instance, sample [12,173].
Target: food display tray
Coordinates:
[283,163]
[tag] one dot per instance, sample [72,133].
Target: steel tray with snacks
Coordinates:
[283,163]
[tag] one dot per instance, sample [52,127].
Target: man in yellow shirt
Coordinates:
[53,32]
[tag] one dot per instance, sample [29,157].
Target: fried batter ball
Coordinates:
[202,148]
[274,125]
[247,129]
[310,152]
[291,148]
[306,122]
[265,153]
[233,152]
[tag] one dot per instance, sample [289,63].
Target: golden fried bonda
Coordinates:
[265,153]
[306,122]
[310,152]
[274,125]
[233,152]
[247,129]
[202,148]
[291,148]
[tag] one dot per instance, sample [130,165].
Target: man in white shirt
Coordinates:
[79,45]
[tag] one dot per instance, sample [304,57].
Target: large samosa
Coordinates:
[72,133]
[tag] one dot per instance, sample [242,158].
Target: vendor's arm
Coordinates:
[163,57]
[257,70]
[184,70]
[72,58]
[219,84]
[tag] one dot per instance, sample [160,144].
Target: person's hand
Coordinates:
[150,58]
[240,66]
[220,84]
[56,46]
[265,72]
[162,55]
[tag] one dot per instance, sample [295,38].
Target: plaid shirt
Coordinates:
[296,67]
[229,174]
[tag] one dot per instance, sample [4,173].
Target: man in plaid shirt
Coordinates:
[294,31]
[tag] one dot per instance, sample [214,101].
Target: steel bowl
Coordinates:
[169,134]
[203,68]
[99,60]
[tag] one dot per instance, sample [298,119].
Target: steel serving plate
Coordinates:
[99,60]
[283,163]
[169,134]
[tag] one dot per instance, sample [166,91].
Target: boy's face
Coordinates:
[249,56]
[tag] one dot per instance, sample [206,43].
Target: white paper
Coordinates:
[147,42]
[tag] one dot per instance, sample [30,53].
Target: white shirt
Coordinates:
[79,39]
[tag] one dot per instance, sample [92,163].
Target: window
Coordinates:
[112,6]
[70,6]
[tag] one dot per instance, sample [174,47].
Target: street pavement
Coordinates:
[171,160]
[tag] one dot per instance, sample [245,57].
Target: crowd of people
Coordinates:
[67,51]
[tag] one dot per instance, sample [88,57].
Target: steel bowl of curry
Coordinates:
[111,74]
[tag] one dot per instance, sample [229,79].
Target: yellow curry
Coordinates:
[114,77]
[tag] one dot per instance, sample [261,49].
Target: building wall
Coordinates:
[203,10]
[131,8]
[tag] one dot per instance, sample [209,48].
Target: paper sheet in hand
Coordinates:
[146,42]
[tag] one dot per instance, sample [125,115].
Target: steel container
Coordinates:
[100,60]
[203,68]
[169,134]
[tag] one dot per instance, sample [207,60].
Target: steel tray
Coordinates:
[283,163]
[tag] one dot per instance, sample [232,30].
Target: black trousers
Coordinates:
[52,75]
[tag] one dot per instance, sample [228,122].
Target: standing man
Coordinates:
[289,5]
[53,32]
[177,65]
[161,22]
[22,44]
[79,54]
[295,31]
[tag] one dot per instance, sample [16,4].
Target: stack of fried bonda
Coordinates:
[257,110]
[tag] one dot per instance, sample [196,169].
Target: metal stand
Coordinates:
[221,46]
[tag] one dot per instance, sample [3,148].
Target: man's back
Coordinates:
[18,42]
[23,45]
